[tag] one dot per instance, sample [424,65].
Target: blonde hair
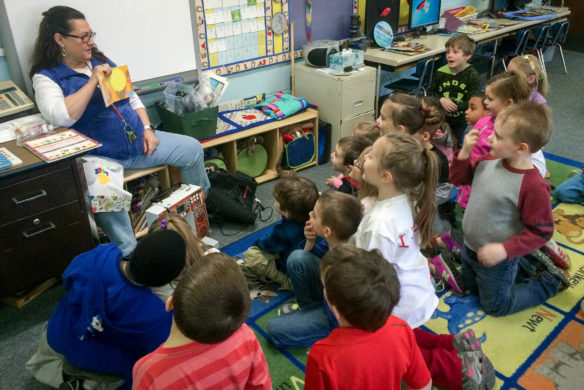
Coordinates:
[367,129]
[195,248]
[529,65]
[531,122]
[510,85]
[415,172]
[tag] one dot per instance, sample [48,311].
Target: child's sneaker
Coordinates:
[453,241]
[466,341]
[551,268]
[558,256]
[478,372]
[289,307]
[446,270]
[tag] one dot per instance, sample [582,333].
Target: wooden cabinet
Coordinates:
[44,221]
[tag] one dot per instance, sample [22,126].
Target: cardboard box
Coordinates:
[187,201]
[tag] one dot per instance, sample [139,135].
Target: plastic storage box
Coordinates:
[200,124]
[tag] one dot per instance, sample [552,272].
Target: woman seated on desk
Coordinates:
[65,64]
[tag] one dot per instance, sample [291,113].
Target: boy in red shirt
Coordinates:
[371,349]
[209,346]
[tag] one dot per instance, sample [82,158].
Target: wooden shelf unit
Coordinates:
[227,145]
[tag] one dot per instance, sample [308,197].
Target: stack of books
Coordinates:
[407,48]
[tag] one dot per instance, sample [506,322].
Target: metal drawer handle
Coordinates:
[49,226]
[31,197]
[358,103]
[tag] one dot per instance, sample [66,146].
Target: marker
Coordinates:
[153,84]
[172,80]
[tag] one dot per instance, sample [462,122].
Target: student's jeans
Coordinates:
[176,150]
[572,190]
[310,323]
[498,290]
[302,267]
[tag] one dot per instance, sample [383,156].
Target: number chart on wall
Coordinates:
[238,35]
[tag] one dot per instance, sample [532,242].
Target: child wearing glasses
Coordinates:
[347,150]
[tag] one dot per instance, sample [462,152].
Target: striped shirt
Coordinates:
[236,363]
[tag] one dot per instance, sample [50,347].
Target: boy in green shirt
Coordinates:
[455,82]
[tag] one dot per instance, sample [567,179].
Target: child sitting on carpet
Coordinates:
[346,151]
[335,218]
[510,219]
[109,318]
[294,198]
[362,290]
[209,345]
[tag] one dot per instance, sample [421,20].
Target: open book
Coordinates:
[117,86]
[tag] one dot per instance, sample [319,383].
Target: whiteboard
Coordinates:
[153,37]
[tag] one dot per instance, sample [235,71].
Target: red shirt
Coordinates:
[351,358]
[236,363]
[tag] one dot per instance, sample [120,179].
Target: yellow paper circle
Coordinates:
[103,178]
[118,79]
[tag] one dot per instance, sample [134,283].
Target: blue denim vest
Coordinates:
[98,121]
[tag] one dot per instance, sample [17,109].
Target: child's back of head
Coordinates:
[530,122]
[297,196]
[341,212]
[530,66]
[368,130]
[211,300]
[361,285]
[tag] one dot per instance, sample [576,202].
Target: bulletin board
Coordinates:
[235,35]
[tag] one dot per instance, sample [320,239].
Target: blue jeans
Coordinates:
[498,293]
[300,329]
[302,267]
[176,150]
[572,190]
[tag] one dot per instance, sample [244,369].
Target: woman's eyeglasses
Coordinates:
[84,38]
[358,164]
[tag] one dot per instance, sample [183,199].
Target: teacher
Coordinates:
[65,65]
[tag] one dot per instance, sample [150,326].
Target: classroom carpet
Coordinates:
[538,348]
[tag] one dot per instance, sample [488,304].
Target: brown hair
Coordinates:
[481,95]
[352,146]
[212,299]
[341,212]
[367,129]
[529,65]
[365,189]
[434,115]
[510,85]
[411,113]
[361,285]
[296,196]
[531,122]
[463,42]
[415,172]
[195,248]
[46,53]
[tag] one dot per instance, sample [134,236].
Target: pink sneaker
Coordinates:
[446,270]
[453,241]
[560,258]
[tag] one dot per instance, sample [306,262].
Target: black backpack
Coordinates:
[232,197]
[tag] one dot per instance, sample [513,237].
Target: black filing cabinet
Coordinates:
[44,221]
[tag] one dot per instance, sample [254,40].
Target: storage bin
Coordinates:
[200,124]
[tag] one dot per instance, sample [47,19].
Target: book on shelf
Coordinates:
[56,146]
[117,86]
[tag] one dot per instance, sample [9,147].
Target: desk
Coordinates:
[398,62]
[44,221]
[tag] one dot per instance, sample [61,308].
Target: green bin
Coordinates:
[200,124]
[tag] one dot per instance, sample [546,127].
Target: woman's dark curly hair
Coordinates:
[46,52]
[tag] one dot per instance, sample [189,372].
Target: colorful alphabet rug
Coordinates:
[538,348]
